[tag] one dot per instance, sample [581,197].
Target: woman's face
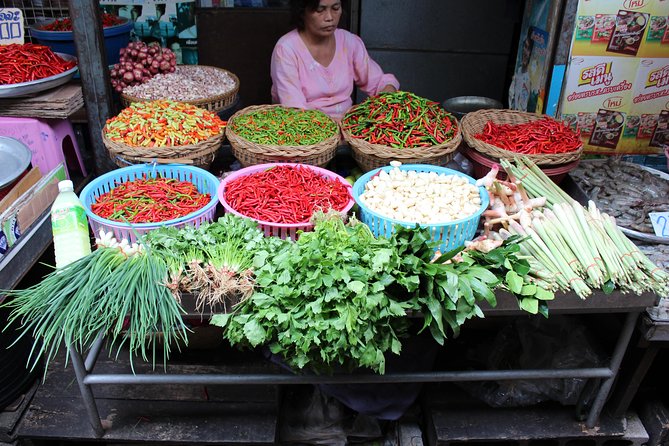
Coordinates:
[323,21]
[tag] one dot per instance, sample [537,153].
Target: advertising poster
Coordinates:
[647,129]
[597,102]
[169,22]
[527,90]
[626,28]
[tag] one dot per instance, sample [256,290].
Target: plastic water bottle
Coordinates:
[69,225]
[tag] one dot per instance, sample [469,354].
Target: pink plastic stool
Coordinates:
[51,142]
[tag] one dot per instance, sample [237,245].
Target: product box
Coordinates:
[631,28]
[26,202]
[649,111]
[597,99]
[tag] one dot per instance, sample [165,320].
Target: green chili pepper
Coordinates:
[284,126]
[400,120]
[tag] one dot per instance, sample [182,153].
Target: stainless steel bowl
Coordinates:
[15,158]
[27,88]
[461,105]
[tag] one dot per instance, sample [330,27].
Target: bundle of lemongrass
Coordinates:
[577,248]
[94,295]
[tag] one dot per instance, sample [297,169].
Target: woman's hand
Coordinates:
[388,89]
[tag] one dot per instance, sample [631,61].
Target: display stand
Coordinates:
[630,305]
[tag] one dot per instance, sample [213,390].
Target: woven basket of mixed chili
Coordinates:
[262,134]
[165,132]
[283,197]
[400,126]
[509,133]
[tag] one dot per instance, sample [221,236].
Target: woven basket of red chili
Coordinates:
[262,134]
[509,133]
[164,132]
[144,197]
[400,126]
[283,197]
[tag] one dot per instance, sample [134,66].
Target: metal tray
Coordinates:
[14,160]
[32,87]
[650,238]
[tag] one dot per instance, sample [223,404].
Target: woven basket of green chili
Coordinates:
[400,126]
[475,125]
[262,134]
[164,132]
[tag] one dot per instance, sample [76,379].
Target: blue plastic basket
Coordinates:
[451,235]
[205,182]
[115,38]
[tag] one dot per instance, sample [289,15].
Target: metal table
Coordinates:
[654,336]
[630,305]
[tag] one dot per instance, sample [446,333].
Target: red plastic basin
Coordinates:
[482,165]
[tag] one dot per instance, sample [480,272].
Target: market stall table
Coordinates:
[629,305]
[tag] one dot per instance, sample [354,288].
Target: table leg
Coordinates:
[86,393]
[616,359]
[630,386]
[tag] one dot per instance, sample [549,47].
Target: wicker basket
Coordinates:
[372,156]
[213,104]
[201,154]
[250,153]
[474,122]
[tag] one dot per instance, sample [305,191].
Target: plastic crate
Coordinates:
[205,182]
[281,230]
[450,235]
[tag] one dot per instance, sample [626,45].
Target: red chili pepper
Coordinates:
[149,200]
[542,136]
[65,24]
[290,194]
[29,62]
[391,119]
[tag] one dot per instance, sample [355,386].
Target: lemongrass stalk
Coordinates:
[586,248]
[587,265]
[559,253]
[556,191]
[643,261]
[573,281]
[627,253]
[530,247]
[607,249]
[557,244]
[525,177]
[533,185]
[585,229]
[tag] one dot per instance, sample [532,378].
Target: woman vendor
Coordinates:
[316,65]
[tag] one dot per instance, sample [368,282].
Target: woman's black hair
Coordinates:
[299,7]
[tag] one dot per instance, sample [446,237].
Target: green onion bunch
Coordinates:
[74,304]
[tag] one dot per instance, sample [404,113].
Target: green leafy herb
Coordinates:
[338,298]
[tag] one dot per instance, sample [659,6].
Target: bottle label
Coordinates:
[67,219]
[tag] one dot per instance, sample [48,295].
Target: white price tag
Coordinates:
[11,26]
[660,221]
